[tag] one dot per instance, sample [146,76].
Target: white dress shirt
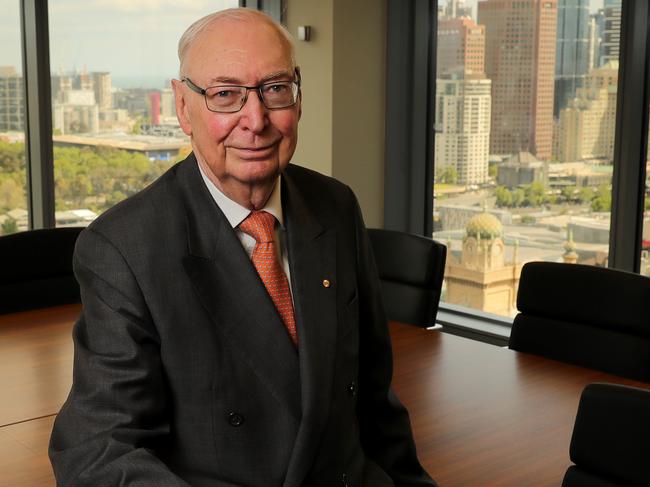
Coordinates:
[236,213]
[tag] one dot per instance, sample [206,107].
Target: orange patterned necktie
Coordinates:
[260,225]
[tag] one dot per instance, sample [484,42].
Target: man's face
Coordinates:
[255,144]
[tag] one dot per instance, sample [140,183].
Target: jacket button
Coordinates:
[235,419]
[352,389]
[344,481]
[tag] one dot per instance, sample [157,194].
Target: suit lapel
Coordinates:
[312,257]
[233,294]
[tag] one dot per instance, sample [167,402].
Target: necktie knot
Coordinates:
[260,225]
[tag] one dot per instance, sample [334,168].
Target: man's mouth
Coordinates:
[253,153]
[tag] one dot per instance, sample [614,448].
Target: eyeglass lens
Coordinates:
[231,98]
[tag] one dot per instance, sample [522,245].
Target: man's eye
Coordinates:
[276,88]
[224,94]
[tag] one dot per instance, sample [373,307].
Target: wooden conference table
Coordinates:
[482,415]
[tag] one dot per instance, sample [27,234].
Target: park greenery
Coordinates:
[93,178]
[535,195]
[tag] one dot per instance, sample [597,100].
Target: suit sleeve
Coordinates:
[385,428]
[116,415]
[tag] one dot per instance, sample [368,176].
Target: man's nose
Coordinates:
[253,113]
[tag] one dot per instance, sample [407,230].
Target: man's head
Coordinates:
[250,147]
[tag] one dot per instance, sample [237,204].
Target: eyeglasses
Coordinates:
[231,98]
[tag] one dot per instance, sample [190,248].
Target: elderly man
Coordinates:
[232,331]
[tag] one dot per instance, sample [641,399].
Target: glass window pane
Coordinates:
[113,116]
[13,181]
[525,117]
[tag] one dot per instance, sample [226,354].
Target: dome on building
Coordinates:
[485,225]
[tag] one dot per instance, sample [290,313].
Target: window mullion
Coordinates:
[38,113]
[628,181]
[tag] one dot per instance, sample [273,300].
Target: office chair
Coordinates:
[584,315]
[611,438]
[411,269]
[36,269]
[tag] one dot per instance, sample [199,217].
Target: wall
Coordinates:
[344,70]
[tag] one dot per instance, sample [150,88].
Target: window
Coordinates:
[113,114]
[13,194]
[527,173]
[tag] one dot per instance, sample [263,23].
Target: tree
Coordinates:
[12,193]
[12,157]
[503,196]
[568,193]
[534,194]
[9,226]
[585,195]
[448,175]
[603,199]
[518,197]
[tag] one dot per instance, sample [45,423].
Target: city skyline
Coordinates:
[129,39]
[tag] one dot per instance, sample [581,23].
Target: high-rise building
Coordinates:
[461,47]
[77,113]
[12,110]
[103,87]
[594,42]
[463,126]
[611,36]
[455,9]
[520,39]
[586,127]
[572,51]
[167,103]
[154,107]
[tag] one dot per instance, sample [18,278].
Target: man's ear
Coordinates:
[182,109]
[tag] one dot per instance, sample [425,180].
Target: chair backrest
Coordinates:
[589,316]
[411,269]
[37,269]
[611,438]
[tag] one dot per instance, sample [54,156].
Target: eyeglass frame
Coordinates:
[203,91]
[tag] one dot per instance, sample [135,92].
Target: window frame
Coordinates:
[406,155]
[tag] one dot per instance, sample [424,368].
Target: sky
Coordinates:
[128,38]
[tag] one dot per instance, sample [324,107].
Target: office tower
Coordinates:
[586,127]
[61,83]
[455,9]
[520,40]
[82,81]
[12,110]
[102,86]
[611,36]
[77,113]
[572,50]
[154,107]
[594,42]
[461,47]
[463,126]
[167,103]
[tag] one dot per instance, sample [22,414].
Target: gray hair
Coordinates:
[238,14]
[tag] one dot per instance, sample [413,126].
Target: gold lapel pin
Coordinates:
[326,283]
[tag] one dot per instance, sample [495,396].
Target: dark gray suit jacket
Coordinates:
[184,373]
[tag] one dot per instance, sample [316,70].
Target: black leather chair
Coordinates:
[36,269]
[611,438]
[411,269]
[589,316]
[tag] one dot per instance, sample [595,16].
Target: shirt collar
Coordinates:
[236,213]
